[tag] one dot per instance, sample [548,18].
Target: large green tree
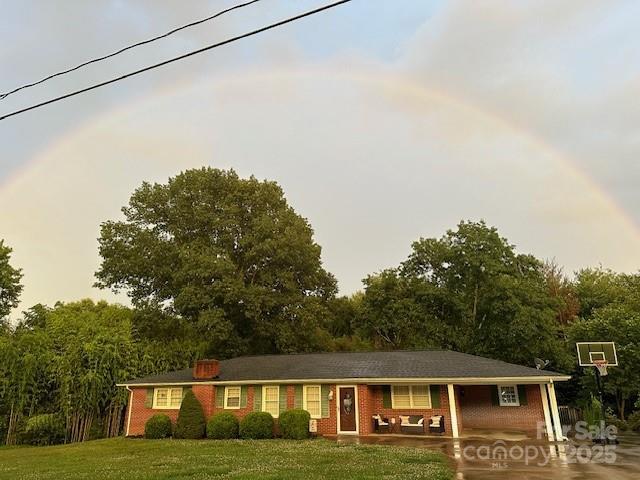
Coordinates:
[226,253]
[10,286]
[468,290]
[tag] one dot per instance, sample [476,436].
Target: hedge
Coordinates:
[158,426]
[191,423]
[294,424]
[223,425]
[257,425]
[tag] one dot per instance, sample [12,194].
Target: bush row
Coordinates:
[294,424]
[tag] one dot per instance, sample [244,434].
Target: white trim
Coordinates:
[304,399]
[545,409]
[555,414]
[264,403]
[411,404]
[508,404]
[169,392]
[533,380]
[226,397]
[453,411]
[356,413]
[129,412]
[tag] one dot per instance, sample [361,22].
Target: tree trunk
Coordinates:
[621,405]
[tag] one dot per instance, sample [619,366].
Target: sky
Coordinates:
[383,122]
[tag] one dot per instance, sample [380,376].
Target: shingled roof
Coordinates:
[425,364]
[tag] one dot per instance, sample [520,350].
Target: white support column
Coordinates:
[554,412]
[545,409]
[452,411]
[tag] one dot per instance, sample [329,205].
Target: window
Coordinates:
[170,398]
[232,397]
[311,400]
[508,396]
[410,396]
[271,399]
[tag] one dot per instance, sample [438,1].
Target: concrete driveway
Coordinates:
[489,459]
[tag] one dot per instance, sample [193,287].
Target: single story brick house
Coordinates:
[418,392]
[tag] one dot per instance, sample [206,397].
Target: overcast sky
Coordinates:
[384,121]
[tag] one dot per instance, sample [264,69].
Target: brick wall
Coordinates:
[474,409]
[478,410]
[206,394]
[370,401]
[139,414]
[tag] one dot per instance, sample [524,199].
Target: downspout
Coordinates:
[129,413]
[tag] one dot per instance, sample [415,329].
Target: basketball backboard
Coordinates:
[590,353]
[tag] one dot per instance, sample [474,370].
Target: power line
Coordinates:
[129,47]
[175,59]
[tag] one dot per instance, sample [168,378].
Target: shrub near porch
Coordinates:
[209,459]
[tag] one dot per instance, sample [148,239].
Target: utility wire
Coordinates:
[175,59]
[144,42]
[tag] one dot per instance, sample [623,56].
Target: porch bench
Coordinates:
[380,424]
[412,424]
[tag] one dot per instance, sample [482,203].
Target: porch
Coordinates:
[506,411]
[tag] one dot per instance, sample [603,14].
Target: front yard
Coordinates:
[122,458]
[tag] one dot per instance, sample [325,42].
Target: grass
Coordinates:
[119,458]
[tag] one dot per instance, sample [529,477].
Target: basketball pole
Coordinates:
[603,424]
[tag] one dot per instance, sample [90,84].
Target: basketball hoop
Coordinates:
[601,365]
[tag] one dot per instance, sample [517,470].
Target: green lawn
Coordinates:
[119,458]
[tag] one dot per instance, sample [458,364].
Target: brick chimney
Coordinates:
[206,369]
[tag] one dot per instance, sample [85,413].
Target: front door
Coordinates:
[348,410]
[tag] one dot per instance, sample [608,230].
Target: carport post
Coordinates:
[545,409]
[554,411]
[452,411]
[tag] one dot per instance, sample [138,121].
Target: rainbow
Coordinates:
[389,83]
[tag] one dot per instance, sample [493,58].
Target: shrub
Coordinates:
[45,429]
[191,423]
[257,425]
[621,425]
[294,424]
[634,421]
[591,412]
[223,425]
[158,426]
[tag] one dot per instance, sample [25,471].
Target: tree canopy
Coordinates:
[228,254]
[10,286]
[470,291]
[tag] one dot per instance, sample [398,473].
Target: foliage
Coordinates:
[634,421]
[563,291]
[191,423]
[3,428]
[10,286]
[592,411]
[45,429]
[223,425]
[619,323]
[228,254]
[294,424]
[69,361]
[158,426]
[612,419]
[468,291]
[117,458]
[256,425]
